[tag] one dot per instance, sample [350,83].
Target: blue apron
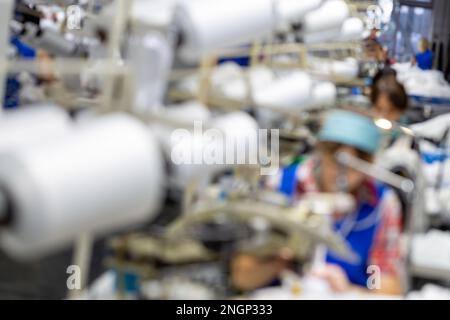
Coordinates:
[360,239]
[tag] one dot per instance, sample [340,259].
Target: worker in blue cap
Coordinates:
[372,231]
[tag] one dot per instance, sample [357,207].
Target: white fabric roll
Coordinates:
[32,124]
[210,25]
[330,15]
[292,93]
[100,177]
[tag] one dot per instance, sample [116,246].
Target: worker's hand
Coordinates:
[335,276]
[249,273]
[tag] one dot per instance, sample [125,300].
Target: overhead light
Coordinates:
[383,124]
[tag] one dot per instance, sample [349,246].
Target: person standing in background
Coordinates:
[424,59]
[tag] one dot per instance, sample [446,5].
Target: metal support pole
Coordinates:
[383,175]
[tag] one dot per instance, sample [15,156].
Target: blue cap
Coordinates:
[351,129]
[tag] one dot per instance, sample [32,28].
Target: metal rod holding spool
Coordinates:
[383,175]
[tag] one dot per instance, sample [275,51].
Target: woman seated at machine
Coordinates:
[373,231]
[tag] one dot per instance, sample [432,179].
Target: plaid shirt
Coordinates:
[385,252]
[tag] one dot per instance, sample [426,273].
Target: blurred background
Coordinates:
[198,149]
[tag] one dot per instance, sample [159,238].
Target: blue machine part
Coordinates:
[430,158]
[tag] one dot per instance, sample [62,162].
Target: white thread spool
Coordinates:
[352,29]
[331,15]
[231,81]
[324,94]
[102,176]
[210,25]
[346,69]
[6,11]
[189,113]
[228,80]
[180,145]
[241,138]
[290,93]
[293,10]
[150,60]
